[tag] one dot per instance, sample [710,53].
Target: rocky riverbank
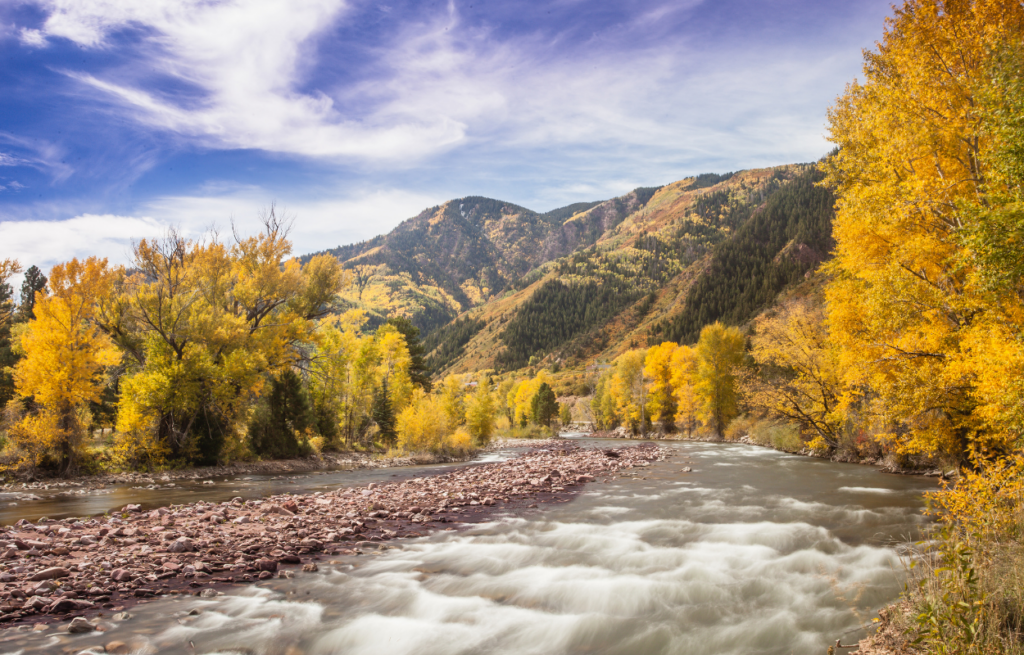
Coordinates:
[325,461]
[73,568]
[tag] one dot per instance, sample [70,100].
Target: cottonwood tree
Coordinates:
[719,352]
[908,305]
[65,356]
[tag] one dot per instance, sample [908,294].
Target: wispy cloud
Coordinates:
[39,154]
[437,81]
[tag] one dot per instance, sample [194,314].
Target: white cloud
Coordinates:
[32,38]
[45,243]
[318,224]
[248,73]
[443,82]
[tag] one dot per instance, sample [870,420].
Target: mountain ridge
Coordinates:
[494,285]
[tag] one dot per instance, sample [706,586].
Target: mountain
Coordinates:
[497,286]
[458,255]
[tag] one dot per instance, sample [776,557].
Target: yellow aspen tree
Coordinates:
[65,355]
[422,426]
[719,353]
[331,372]
[453,401]
[798,376]
[913,149]
[658,369]
[629,390]
[481,411]
[524,397]
[684,372]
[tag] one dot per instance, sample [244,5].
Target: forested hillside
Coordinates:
[493,285]
[458,255]
[710,247]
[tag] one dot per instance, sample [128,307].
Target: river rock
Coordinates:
[52,573]
[80,625]
[121,575]
[182,545]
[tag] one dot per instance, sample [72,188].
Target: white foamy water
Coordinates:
[770,555]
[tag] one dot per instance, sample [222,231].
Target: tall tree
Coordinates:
[8,267]
[65,355]
[628,389]
[418,370]
[383,413]
[684,373]
[658,369]
[481,409]
[798,377]
[33,283]
[719,353]
[915,151]
[543,406]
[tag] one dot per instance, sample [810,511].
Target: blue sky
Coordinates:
[121,117]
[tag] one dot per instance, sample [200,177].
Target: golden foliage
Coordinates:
[905,307]
[798,375]
[719,352]
[64,357]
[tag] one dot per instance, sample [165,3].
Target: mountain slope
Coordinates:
[497,286]
[458,255]
[720,251]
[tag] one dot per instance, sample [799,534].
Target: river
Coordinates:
[752,552]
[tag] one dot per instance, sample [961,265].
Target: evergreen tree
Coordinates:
[384,413]
[418,370]
[543,407]
[34,281]
[7,357]
[285,415]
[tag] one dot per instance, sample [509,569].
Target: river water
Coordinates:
[753,552]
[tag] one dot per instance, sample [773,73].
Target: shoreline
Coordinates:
[66,569]
[883,467]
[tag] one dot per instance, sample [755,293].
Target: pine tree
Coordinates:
[543,407]
[384,413]
[34,282]
[418,370]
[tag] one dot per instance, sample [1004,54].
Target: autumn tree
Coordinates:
[628,390]
[453,400]
[658,369]
[684,373]
[797,374]
[915,154]
[65,356]
[207,325]
[481,411]
[719,352]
